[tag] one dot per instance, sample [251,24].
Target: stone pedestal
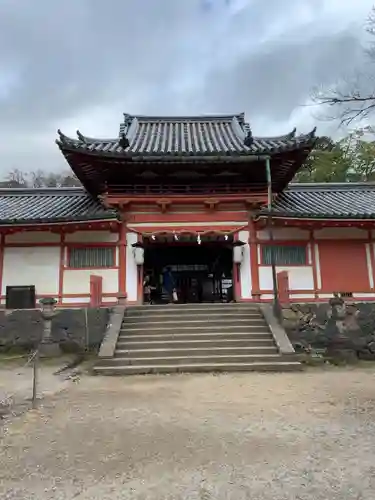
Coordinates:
[49,349]
[122,299]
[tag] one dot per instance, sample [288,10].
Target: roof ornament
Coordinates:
[124,142]
[249,139]
[241,118]
[127,119]
[292,134]
[81,137]
[63,137]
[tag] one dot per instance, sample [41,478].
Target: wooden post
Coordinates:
[254,265]
[313,263]
[283,287]
[122,244]
[35,379]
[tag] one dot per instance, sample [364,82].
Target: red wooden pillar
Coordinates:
[122,259]
[61,268]
[2,243]
[283,287]
[314,263]
[140,277]
[254,266]
[372,256]
[96,290]
[236,276]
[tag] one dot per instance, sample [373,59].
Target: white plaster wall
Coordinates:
[91,237]
[303,296]
[306,297]
[33,237]
[110,300]
[370,271]
[131,268]
[325,295]
[37,266]
[245,271]
[340,233]
[285,234]
[76,300]
[300,278]
[78,280]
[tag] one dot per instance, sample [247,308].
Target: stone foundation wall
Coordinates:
[74,329]
[332,330]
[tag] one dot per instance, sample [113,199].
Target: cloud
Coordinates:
[81,64]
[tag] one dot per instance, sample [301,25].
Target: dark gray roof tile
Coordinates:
[209,135]
[342,200]
[50,205]
[32,206]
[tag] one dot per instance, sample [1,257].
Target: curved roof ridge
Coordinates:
[178,118]
[327,186]
[85,138]
[290,135]
[66,191]
[82,139]
[281,137]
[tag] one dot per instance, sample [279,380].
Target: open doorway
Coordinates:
[202,269]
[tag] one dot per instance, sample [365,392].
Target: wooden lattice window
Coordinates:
[284,255]
[88,257]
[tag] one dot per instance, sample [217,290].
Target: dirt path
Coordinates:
[267,436]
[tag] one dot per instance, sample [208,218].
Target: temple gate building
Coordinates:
[190,193]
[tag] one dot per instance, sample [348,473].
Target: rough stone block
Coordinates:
[339,330]
[73,329]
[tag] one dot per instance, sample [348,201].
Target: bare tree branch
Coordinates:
[353,100]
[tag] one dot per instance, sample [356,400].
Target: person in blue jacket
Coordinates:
[168,282]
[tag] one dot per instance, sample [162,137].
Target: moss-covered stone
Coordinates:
[336,330]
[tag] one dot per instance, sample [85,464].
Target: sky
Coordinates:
[80,64]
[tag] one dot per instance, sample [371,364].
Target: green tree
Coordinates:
[326,163]
[361,148]
[351,159]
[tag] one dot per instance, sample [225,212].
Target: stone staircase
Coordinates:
[195,338]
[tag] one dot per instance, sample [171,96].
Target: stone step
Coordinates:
[186,344]
[197,359]
[183,316]
[190,312]
[280,366]
[194,351]
[191,307]
[199,328]
[192,324]
[195,334]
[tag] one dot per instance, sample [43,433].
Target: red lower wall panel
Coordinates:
[343,266]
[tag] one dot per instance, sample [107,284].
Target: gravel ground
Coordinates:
[16,382]
[199,437]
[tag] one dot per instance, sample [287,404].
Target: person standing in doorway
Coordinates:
[147,289]
[169,283]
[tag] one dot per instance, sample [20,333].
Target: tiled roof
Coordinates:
[342,200]
[31,206]
[211,135]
